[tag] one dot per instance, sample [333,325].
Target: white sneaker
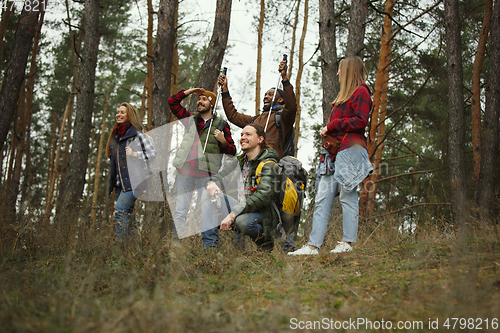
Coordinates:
[304,250]
[341,248]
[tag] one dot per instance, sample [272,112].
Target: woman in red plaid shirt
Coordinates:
[341,172]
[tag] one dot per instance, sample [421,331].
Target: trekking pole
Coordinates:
[274,95]
[224,71]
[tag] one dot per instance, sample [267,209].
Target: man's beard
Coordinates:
[205,110]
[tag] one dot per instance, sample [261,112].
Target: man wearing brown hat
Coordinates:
[200,153]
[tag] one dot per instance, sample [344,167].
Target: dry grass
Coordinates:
[54,282]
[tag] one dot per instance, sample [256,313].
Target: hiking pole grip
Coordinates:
[224,71]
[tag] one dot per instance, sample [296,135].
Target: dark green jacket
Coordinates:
[267,191]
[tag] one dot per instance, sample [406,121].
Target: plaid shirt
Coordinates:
[348,121]
[192,161]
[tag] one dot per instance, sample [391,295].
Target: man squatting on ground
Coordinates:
[193,166]
[252,214]
[285,100]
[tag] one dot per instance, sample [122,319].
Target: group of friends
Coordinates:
[249,212]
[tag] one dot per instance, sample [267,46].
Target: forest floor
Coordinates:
[418,282]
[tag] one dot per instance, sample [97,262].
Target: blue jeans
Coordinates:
[327,190]
[124,213]
[185,187]
[249,224]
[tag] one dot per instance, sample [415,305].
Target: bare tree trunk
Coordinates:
[456,113]
[210,69]
[97,176]
[84,108]
[294,29]
[53,164]
[164,49]
[382,76]
[329,65]
[150,49]
[68,115]
[92,160]
[259,56]
[299,72]
[380,103]
[476,91]
[15,70]
[28,111]
[356,36]
[3,28]
[489,154]
[17,154]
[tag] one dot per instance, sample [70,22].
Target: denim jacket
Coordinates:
[351,166]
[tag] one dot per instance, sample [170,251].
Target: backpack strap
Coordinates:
[277,121]
[258,171]
[255,118]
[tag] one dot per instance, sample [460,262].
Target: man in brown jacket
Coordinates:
[284,101]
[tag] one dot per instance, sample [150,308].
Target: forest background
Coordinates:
[433,132]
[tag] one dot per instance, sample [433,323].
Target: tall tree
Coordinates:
[300,70]
[7,10]
[328,48]
[68,110]
[456,113]
[84,107]
[163,55]
[489,154]
[25,105]
[377,127]
[294,29]
[149,58]
[476,90]
[15,70]
[210,69]
[260,32]
[357,23]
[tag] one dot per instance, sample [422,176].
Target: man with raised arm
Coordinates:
[200,153]
[284,104]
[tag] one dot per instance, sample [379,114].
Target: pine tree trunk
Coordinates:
[3,28]
[380,103]
[97,177]
[294,29]
[456,113]
[20,134]
[476,91]
[69,112]
[16,159]
[329,66]
[28,109]
[258,74]
[53,165]
[489,154]
[382,75]
[83,113]
[299,72]
[164,49]
[356,36]
[150,56]
[210,69]
[15,70]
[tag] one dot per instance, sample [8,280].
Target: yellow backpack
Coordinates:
[293,183]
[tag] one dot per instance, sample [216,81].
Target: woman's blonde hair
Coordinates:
[352,73]
[133,118]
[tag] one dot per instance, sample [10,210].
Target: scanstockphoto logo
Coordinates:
[354,324]
[154,179]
